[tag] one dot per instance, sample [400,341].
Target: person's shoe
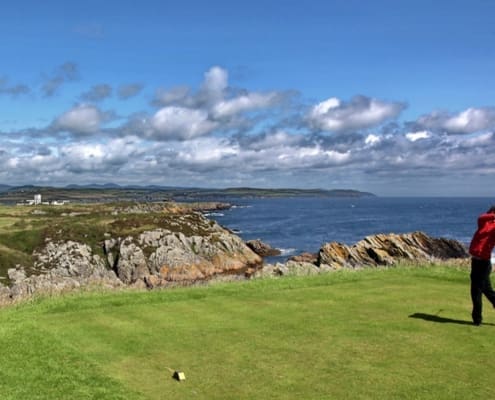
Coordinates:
[477,323]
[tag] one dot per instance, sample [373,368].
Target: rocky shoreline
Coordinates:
[194,249]
[371,252]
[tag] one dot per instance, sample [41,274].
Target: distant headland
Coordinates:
[114,192]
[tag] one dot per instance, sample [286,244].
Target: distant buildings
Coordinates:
[37,201]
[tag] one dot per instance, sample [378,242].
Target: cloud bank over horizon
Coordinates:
[220,135]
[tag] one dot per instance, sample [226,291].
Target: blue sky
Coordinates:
[392,97]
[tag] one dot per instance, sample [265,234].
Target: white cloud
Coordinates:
[180,123]
[299,157]
[337,156]
[82,119]
[207,150]
[468,121]
[84,152]
[248,102]
[215,82]
[273,140]
[325,106]
[83,157]
[485,140]
[361,112]
[109,157]
[372,139]
[217,102]
[215,135]
[216,79]
[414,136]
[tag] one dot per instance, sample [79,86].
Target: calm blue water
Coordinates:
[304,224]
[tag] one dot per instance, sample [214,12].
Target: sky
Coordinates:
[396,98]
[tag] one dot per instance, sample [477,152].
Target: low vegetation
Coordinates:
[401,333]
[24,229]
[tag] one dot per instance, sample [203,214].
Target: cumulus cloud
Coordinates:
[212,91]
[83,119]
[97,157]
[480,141]
[180,123]
[205,151]
[271,140]
[242,159]
[414,136]
[97,93]
[66,72]
[247,102]
[224,107]
[361,112]
[311,157]
[214,85]
[73,161]
[217,135]
[372,139]
[468,121]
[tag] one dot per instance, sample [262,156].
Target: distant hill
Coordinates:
[296,192]
[94,186]
[114,192]
[124,187]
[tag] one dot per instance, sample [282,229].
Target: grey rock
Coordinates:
[67,265]
[131,264]
[16,274]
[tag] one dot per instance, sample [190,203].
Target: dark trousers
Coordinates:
[480,284]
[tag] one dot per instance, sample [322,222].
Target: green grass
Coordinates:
[375,334]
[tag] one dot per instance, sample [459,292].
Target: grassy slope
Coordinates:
[346,335]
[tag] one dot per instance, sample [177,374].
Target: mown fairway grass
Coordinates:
[377,334]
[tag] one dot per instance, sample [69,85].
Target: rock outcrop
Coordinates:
[389,249]
[199,250]
[60,267]
[372,251]
[262,249]
[192,248]
[160,257]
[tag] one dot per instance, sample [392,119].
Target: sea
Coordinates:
[303,224]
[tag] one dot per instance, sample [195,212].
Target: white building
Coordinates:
[37,199]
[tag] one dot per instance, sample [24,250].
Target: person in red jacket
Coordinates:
[480,249]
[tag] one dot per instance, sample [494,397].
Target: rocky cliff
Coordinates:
[191,248]
[372,251]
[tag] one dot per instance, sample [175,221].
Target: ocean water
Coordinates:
[295,225]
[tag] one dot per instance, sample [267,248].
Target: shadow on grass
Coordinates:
[436,318]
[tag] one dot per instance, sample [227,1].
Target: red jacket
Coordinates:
[484,238]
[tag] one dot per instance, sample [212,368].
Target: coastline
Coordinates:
[149,246]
